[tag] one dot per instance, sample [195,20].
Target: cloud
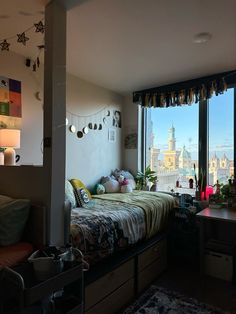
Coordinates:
[227,146]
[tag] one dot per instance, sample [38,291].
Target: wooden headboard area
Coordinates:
[36,226]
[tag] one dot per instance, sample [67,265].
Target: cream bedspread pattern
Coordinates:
[156,206]
[113,222]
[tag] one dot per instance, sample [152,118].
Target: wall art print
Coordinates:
[10,97]
[117,119]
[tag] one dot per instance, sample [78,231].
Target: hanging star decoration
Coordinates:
[39,27]
[22,38]
[4,45]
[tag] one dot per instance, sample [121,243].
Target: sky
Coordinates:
[185,122]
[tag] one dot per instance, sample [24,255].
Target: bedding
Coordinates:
[13,216]
[115,221]
[14,254]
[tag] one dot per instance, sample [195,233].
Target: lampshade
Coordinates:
[10,138]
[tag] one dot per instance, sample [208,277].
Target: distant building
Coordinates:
[224,162]
[171,156]
[185,159]
[219,169]
[178,165]
[154,158]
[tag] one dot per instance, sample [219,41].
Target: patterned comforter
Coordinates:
[112,222]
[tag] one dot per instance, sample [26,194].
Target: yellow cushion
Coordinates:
[77,184]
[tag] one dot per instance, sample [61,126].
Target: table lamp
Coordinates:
[9,139]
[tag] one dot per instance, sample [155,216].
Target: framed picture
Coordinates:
[131,141]
[111,135]
[117,119]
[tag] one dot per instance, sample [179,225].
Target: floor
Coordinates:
[210,290]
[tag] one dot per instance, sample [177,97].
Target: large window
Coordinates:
[172,142]
[221,139]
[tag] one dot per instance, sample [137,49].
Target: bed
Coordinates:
[115,221]
[123,237]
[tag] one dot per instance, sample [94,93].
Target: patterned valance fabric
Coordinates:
[185,93]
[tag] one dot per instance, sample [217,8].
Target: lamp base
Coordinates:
[1,159]
[9,157]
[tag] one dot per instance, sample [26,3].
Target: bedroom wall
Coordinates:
[88,158]
[131,115]
[13,66]
[93,155]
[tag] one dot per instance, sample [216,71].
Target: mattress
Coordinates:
[113,222]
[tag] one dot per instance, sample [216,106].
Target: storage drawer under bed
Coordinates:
[115,301]
[151,264]
[157,251]
[101,288]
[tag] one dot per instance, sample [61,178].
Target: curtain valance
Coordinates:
[185,93]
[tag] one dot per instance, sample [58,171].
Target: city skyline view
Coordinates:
[185,121]
[173,141]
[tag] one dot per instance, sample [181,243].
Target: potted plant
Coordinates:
[144,178]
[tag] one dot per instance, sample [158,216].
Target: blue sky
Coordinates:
[185,121]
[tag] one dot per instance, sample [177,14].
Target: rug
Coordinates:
[158,300]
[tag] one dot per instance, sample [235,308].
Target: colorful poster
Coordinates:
[10,97]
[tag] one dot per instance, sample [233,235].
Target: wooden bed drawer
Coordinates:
[150,273]
[150,255]
[115,301]
[99,289]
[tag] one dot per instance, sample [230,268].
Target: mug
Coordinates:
[17,158]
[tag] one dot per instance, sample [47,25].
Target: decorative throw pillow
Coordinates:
[78,184]
[106,179]
[132,183]
[81,197]
[126,174]
[13,216]
[99,189]
[69,194]
[112,186]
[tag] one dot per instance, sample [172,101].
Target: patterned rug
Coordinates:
[157,300]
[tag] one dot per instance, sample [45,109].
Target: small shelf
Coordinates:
[29,291]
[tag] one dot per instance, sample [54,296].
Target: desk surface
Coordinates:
[218,214]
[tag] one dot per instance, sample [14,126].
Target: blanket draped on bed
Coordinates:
[149,202]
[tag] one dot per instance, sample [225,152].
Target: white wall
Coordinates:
[13,66]
[88,158]
[92,156]
[131,115]
[25,181]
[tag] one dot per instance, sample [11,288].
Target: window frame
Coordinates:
[203,136]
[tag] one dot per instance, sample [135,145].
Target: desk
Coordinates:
[222,215]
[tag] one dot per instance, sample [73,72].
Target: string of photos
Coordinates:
[81,125]
[23,38]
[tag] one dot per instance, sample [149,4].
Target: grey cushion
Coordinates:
[13,216]
[69,194]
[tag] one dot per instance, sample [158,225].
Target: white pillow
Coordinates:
[69,194]
[112,186]
[132,183]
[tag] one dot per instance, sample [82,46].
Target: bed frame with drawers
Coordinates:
[115,282]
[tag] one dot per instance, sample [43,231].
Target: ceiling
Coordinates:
[128,45]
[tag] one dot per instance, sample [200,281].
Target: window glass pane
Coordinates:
[172,140]
[221,115]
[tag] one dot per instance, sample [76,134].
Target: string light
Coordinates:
[90,122]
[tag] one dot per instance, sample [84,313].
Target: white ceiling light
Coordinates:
[201,38]
[25,13]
